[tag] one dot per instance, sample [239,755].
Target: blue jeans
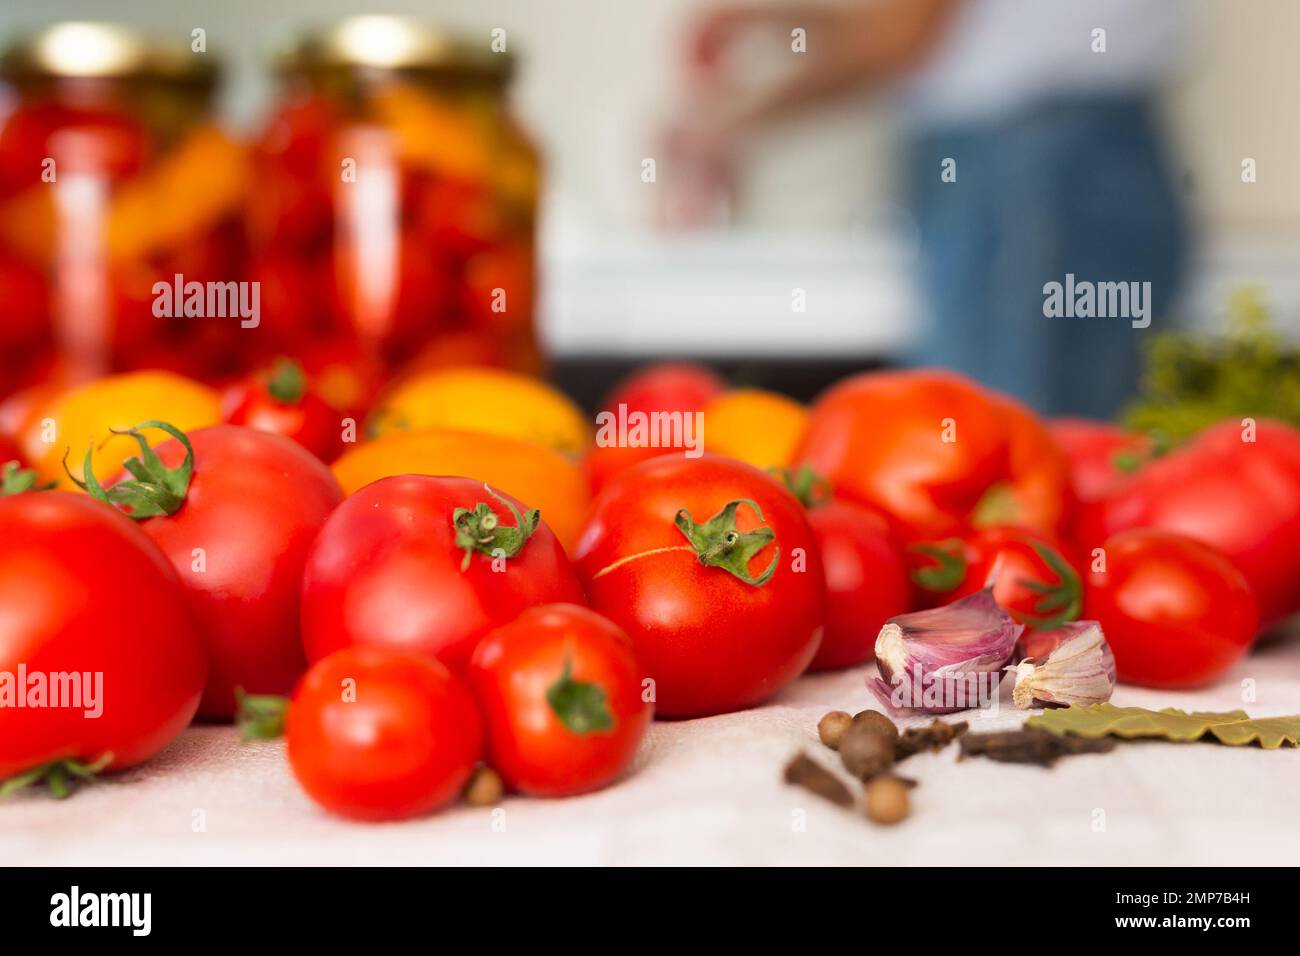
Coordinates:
[1072,187]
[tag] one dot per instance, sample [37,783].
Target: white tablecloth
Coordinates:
[710,792]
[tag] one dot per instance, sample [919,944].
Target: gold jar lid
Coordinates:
[392,43]
[84,49]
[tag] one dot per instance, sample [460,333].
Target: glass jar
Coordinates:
[394,199]
[113,178]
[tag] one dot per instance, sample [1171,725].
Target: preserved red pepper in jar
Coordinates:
[394,199]
[113,179]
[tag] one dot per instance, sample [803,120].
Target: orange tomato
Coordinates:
[538,476]
[757,426]
[489,400]
[86,415]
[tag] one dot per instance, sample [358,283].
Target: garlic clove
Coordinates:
[945,659]
[1079,668]
[1039,645]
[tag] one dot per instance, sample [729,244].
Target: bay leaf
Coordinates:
[1233,727]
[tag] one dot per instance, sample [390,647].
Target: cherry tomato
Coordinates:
[530,472]
[428,564]
[9,452]
[756,426]
[238,532]
[866,574]
[712,569]
[667,387]
[561,696]
[1236,487]
[1175,611]
[376,733]
[65,423]
[281,402]
[1102,457]
[936,453]
[485,400]
[85,592]
[682,387]
[1034,581]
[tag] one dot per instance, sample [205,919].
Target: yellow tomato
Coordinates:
[754,425]
[483,400]
[85,416]
[537,476]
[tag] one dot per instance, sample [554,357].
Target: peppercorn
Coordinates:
[887,800]
[484,788]
[831,728]
[877,722]
[865,751]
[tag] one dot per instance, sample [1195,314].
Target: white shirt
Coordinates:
[997,57]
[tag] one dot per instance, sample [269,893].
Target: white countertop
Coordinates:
[710,792]
[731,293]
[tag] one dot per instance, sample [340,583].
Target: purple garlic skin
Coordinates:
[945,659]
[1072,664]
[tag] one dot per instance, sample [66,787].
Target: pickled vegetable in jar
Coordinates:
[113,178]
[394,199]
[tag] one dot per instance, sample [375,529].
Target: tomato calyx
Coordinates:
[1058,604]
[15,480]
[579,705]
[718,544]
[58,775]
[481,530]
[948,570]
[286,383]
[260,716]
[810,488]
[155,490]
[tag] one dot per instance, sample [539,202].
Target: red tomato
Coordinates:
[292,303]
[281,402]
[1034,582]
[1242,497]
[866,575]
[24,291]
[1175,611]
[712,569]
[85,592]
[667,387]
[9,452]
[343,374]
[407,562]
[238,534]
[936,453]
[683,387]
[376,733]
[86,137]
[1102,457]
[866,581]
[560,691]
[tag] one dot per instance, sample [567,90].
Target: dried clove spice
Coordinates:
[1030,745]
[935,736]
[805,772]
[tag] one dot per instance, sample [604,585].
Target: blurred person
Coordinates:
[1032,151]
